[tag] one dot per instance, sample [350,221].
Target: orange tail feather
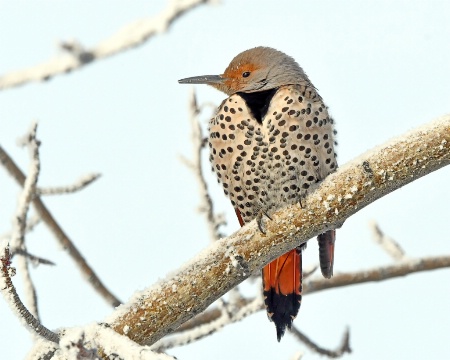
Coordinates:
[282,281]
[282,284]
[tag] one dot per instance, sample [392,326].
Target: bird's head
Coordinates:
[257,69]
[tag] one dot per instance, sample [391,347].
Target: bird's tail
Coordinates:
[282,282]
[326,252]
[282,285]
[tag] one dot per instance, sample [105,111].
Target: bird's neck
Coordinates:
[258,102]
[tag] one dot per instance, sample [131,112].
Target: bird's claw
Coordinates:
[259,220]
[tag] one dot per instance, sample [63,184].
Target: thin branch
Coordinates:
[35,260]
[20,219]
[155,312]
[400,268]
[59,233]
[392,248]
[31,224]
[341,350]
[76,57]
[80,184]
[206,206]
[10,294]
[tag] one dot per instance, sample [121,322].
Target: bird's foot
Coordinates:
[260,222]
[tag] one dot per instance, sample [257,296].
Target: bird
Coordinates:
[272,142]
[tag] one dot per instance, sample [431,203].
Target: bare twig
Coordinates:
[400,268]
[31,224]
[59,233]
[341,350]
[20,220]
[298,355]
[35,260]
[388,244]
[130,36]
[80,184]
[9,292]
[214,221]
[155,312]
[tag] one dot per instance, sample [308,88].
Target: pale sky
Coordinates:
[382,67]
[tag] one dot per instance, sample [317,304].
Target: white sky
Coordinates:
[381,66]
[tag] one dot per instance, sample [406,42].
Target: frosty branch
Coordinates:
[80,184]
[76,57]
[159,310]
[59,233]
[29,317]
[212,319]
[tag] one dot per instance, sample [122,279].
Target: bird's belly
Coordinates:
[262,175]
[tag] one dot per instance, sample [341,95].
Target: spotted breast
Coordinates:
[266,163]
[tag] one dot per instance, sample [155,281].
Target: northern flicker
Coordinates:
[271,142]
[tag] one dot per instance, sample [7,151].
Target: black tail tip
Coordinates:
[282,309]
[281,329]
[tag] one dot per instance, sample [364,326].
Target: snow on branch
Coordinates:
[64,240]
[17,242]
[12,298]
[76,57]
[80,184]
[227,316]
[213,319]
[151,314]
[30,225]
[91,342]
[29,317]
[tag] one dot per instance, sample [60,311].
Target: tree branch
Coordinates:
[76,57]
[30,318]
[13,300]
[59,233]
[213,220]
[80,184]
[17,242]
[157,311]
[392,248]
[341,350]
[400,268]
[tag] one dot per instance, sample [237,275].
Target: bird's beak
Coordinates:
[205,79]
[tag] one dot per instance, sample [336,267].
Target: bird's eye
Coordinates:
[246,74]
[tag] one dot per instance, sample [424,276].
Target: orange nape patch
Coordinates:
[233,75]
[284,275]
